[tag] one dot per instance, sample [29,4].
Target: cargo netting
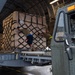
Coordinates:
[14,39]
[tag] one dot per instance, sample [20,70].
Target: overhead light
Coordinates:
[53,1]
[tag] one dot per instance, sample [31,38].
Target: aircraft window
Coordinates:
[59,36]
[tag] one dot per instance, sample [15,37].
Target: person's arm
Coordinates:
[19,30]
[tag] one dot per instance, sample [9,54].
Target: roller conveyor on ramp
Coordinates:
[24,59]
[12,61]
[39,57]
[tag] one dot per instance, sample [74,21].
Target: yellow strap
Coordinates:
[50,37]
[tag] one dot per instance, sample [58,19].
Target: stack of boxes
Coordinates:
[14,39]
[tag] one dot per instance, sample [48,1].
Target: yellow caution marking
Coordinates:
[70,8]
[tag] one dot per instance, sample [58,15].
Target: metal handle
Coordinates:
[67,42]
[69,47]
[69,50]
[69,53]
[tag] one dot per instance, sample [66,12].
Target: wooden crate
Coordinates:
[13,38]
